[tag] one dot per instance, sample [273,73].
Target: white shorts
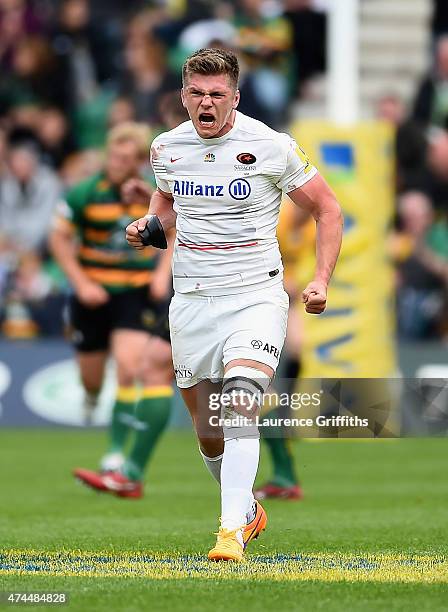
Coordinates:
[208,332]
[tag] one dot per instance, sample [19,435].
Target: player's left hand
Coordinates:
[314,297]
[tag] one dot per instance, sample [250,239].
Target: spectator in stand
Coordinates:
[23,116]
[146,77]
[54,135]
[431,103]
[309,27]
[422,273]
[29,193]
[88,54]
[34,78]
[121,111]
[410,143]
[437,170]
[264,38]
[87,50]
[17,21]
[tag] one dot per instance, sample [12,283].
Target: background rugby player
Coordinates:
[120,298]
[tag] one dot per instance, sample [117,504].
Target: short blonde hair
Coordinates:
[212,61]
[139,133]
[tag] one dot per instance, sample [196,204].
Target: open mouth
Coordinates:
[206,119]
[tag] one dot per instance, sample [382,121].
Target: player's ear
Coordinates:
[182,97]
[236,100]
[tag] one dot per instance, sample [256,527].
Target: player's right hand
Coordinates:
[314,296]
[91,294]
[132,233]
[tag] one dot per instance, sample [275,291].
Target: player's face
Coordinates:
[211,101]
[123,161]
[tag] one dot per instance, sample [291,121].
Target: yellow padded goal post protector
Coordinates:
[355,337]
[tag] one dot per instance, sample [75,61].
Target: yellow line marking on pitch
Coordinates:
[328,567]
[333,440]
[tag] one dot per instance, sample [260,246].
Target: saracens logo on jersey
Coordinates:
[246,158]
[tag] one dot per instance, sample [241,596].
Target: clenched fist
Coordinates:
[315,297]
[132,233]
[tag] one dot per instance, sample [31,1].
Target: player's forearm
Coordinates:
[329,224]
[162,206]
[63,250]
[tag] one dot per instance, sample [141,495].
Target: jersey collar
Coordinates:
[212,141]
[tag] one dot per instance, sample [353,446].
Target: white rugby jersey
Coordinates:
[227,193]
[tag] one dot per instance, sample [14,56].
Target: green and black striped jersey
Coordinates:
[94,209]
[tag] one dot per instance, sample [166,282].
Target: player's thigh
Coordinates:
[91,368]
[256,330]
[129,337]
[196,341]
[157,363]
[90,338]
[90,327]
[128,347]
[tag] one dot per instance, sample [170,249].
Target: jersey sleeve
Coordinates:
[158,167]
[69,210]
[298,169]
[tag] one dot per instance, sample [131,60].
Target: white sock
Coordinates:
[213,465]
[238,471]
[90,399]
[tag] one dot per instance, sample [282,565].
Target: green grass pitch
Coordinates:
[371,533]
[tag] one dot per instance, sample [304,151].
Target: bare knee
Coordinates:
[157,366]
[210,435]
[127,370]
[211,447]
[128,349]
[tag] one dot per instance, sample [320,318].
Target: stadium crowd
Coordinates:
[71,69]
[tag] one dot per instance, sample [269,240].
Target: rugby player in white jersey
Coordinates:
[220,178]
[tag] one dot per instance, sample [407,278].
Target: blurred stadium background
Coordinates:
[363,86]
